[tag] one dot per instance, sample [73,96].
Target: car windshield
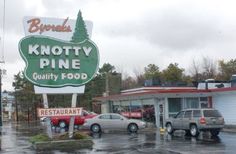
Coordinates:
[179,115]
[211,113]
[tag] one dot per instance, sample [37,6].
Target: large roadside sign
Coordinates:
[60,58]
[55,62]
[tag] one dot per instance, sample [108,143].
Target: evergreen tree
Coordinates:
[173,73]
[152,72]
[80,33]
[226,69]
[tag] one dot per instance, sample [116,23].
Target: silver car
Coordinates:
[195,120]
[113,121]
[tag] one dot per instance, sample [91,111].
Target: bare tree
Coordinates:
[128,83]
[195,70]
[205,69]
[209,68]
[139,77]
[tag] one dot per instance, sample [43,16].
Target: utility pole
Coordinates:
[17,119]
[2,61]
[107,84]
[1,97]
[2,72]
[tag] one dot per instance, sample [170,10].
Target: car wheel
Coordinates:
[187,133]
[133,128]
[95,128]
[194,130]
[215,132]
[62,124]
[169,128]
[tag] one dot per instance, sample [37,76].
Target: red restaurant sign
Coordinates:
[50,112]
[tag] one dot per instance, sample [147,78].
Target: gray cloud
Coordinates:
[170,29]
[131,35]
[15,10]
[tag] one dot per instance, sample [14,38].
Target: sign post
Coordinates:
[72,119]
[48,121]
[57,63]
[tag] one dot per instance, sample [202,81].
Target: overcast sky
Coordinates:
[131,34]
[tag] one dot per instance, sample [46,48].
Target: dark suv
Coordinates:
[195,120]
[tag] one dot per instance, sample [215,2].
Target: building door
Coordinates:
[160,113]
[161,116]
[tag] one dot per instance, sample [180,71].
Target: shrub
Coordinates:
[76,136]
[39,138]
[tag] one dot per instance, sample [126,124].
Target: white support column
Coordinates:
[157,112]
[72,118]
[166,109]
[142,108]
[48,121]
[104,107]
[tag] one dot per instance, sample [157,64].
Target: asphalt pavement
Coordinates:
[15,139]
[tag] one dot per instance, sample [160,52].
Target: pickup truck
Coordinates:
[64,121]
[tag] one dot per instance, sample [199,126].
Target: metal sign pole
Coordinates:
[72,119]
[48,121]
[0,97]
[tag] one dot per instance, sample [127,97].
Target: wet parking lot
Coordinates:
[15,139]
[154,142]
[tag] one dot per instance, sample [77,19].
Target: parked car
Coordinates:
[64,121]
[113,121]
[195,120]
[43,119]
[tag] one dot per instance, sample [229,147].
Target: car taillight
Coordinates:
[202,120]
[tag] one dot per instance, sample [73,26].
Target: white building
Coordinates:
[8,101]
[224,99]
[155,104]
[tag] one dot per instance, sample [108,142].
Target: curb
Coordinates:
[63,144]
[229,130]
[149,130]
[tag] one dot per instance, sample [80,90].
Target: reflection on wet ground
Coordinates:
[14,139]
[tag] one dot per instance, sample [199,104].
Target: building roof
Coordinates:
[145,93]
[160,92]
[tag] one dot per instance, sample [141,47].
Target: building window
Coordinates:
[136,109]
[149,113]
[116,107]
[204,102]
[174,105]
[125,106]
[191,103]
[203,99]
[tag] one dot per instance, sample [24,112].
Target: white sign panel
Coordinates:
[53,27]
[60,29]
[64,90]
[51,112]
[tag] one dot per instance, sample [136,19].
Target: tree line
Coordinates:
[109,81]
